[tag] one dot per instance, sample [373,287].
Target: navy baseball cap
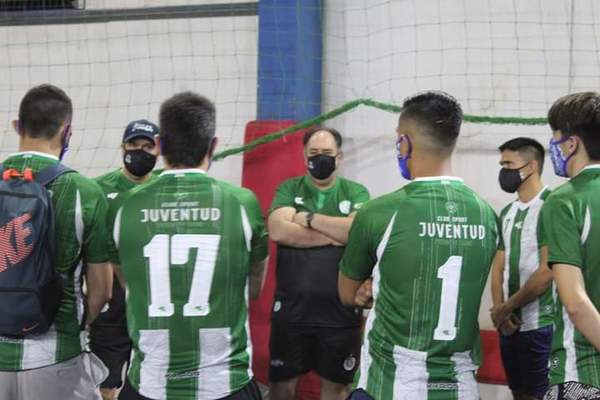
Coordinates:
[140,128]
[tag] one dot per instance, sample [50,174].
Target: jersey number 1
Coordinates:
[178,247]
[449,273]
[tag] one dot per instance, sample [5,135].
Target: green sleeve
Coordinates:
[561,232]
[260,240]
[95,233]
[284,196]
[359,197]
[541,234]
[359,255]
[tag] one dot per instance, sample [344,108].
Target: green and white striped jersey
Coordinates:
[571,221]
[522,236]
[185,244]
[80,230]
[428,247]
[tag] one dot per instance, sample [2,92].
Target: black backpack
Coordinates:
[30,286]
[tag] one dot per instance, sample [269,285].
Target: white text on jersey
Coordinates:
[180,214]
[451,231]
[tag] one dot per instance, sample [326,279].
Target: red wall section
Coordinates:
[263,169]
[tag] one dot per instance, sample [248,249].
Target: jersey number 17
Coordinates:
[164,251]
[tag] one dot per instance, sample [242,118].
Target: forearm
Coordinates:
[535,286]
[347,289]
[336,228]
[582,312]
[293,235]
[497,293]
[99,279]
[497,279]
[257,278]
[586,319]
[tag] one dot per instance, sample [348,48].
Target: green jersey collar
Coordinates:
[523,206]
[183,171]
[591,167]
[312,185]
[34,153]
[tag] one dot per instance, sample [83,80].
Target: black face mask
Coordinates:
[510,179]
[321,166]
[139,162]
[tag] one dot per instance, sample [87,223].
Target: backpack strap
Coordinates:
[49,174]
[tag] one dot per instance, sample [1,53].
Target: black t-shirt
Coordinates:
[306,292]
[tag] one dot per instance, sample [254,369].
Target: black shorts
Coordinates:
[113,346]
[248,392]
[333,353]
[525,357]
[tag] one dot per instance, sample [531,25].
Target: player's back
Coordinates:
[437,242]
[571,223]
[184,246]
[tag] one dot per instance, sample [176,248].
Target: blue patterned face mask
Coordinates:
[559,161]
[403,159]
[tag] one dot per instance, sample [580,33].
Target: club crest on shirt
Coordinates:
[519,225]
[451,207]
[345,207]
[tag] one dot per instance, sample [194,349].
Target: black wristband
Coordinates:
[309,218]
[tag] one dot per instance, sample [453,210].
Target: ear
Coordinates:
[158,144]
[16,126]
[213,145]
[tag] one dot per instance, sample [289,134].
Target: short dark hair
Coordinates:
[187,128]
[531,148]
[578,114]
[43,110]
[438,113]
[334,132]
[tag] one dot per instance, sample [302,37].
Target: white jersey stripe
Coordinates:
[215,351]
[569,346]
[247,327]
[464,369]
[117,227]
[410,376]
[247,228]
[154,344]
[40,352]
[587,225]
[79,303]
[507,228]
[529,262]
[366,359]
[79,226]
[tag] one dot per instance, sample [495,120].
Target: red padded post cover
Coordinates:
[264,168]
[492,369]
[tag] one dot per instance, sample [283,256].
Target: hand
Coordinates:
[364,295]
[336,243]
[508,328]
[300,219]
[499,314]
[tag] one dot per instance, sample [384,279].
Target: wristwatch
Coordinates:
[309,218]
